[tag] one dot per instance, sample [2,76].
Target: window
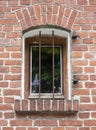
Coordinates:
[47,64]
[44,68]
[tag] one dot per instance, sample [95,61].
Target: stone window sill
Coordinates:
[46,105]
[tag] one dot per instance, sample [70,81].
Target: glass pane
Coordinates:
[35,69]
[46,70]
[57,78]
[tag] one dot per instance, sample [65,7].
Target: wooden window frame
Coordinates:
[48,40]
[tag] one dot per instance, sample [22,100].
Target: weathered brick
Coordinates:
[70,122]
[45,122]
[21,122]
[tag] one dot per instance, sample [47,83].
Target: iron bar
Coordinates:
[39,63]
[53,62]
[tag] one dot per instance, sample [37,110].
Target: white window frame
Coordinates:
[48,31]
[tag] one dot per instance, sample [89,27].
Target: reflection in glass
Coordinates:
[46,69]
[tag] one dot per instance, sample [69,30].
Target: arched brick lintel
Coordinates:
[37,15]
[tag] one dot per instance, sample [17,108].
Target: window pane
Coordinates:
[57,78]
[35,69]
[46,69]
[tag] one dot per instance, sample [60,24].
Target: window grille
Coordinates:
[36,80]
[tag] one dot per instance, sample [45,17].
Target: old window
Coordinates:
[46,64]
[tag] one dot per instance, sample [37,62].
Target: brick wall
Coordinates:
[75,15]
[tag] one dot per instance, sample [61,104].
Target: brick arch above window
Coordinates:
[35,15]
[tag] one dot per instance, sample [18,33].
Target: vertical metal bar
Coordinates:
[53,62]
[39,63]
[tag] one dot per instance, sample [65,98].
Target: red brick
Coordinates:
[1,100]
[14,35]
[8,22]
[58,128]
[9,115]
[13,62]
[12,77]
[32,105]
[43,10]
[88,55]
[54,19]
[71,19]
[61,12]
[94,99]
[89,8]
[61,105]
[54,105]
[12,3]
[68,105]
[86,27]
[3,3]
[82,77]
[8,128]
[84,99]
[90,122]
[94,92]
[40,105]
[11,92]
[24,2]
[49,14]
[16,55]
[88,41]
[24,105]
[15,70]
[77,69]
[3,84]
[27,17]
[84,115]
[80,63]
[75,105]
[31,11]
[9,99]
[82,2]
[71,2]
[35,128]
[84,128]
[81,92]
[93,114]
[47,104]
[93,128]
[11,16]
[8,28]
[70,122]
[90,84]
[45,123]
[21,128]
[79,48]
[89,69]
[37,11]
[77,55]
[17,105]
[5,107]
[17,28]
[71,128]
[19,14]
[21,122]
[59,2]
[45,128]
[87,107]
[1,62]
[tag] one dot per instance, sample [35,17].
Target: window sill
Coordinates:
[46,105]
